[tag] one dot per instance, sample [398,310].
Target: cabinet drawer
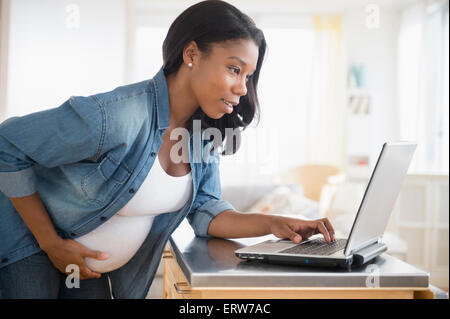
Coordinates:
[175,283]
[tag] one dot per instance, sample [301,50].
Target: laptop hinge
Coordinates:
[368,253]
[363,245]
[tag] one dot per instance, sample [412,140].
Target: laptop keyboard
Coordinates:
[316,247]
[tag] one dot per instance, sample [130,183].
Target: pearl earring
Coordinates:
[190,64]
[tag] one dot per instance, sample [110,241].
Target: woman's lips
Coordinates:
[228,108]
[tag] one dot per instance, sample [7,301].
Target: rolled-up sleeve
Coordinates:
[208,203]
[66,134]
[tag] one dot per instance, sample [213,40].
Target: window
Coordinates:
[423,58]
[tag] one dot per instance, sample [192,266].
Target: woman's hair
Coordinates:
[209,22]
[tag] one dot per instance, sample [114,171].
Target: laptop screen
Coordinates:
[380,195]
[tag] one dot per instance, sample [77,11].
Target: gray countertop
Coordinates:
[210,262]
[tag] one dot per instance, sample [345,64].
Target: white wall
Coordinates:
[57,50]
[377,49]
[4,40]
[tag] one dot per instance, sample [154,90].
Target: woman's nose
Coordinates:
[240,88]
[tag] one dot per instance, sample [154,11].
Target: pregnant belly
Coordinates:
[120,237]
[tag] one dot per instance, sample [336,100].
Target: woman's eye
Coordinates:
[235,70]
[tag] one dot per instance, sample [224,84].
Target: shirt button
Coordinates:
[153,154]
[131,191]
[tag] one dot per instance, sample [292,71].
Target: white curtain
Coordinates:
[326,112]
[423,58]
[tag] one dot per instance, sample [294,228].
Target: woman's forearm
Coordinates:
[232,224]
[36,217]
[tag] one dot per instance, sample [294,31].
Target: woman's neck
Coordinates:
[182,102]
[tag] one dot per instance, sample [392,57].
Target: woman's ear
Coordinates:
[191,53]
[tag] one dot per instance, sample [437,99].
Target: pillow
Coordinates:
[284,201]
[244,196]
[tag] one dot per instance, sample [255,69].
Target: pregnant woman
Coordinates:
[96,186]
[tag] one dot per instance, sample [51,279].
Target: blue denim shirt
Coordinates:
[86,159]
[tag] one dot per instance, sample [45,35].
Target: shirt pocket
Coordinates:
[102,183]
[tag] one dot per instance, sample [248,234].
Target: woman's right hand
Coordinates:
[64,252]
[61,252]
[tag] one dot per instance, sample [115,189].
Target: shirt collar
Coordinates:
[161,99]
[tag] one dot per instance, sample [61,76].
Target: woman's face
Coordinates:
[219,79]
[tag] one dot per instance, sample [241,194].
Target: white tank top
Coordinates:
[122,235]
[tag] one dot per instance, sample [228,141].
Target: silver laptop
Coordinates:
[365,240]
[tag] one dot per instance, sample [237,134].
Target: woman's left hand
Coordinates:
[298,229]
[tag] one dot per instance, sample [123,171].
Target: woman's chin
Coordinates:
[215,115]
[219,115]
